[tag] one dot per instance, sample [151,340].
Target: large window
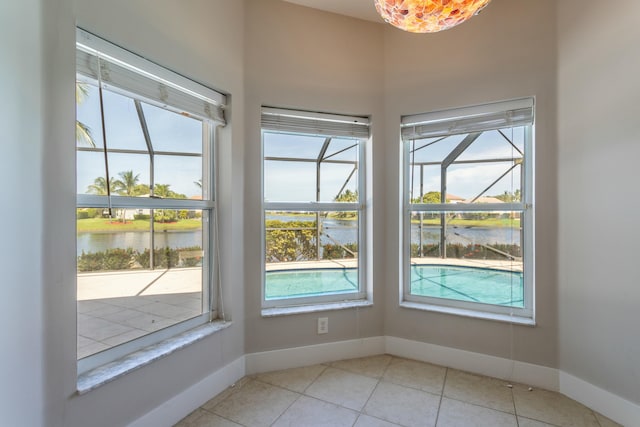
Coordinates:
[468,210]
[313,187]
[145,202]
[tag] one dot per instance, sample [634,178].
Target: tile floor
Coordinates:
[389,391]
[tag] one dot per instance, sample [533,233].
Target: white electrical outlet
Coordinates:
[323,325]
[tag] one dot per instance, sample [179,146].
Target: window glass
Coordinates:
[475,255]
[311,247]
[141,269]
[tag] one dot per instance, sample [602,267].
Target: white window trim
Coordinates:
[525,315]
[284,306]
[88,42]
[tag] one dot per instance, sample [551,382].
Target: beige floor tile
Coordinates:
[526,422]
[454,413]
[403,405]
[411,373]
[552,408]
[368,421]
[256,404]
[201,418]
[209,405]
[342,388]
[373,366]
[310,412]
[484,391]
[296,379]
[606,422]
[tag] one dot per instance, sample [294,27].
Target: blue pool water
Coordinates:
[484,285]
[303,283]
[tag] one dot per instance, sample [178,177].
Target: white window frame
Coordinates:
[305,123]
[499,115]
[191,99]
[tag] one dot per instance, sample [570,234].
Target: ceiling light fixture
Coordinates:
[428,16]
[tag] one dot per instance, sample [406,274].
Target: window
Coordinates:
[145,202]
[468,210]
[314,214]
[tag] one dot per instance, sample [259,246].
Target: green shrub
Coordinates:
[290,240]
[331,251]
[164,215]
[111,259]
[82,214]
[144,217]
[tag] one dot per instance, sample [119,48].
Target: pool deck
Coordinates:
[116,307]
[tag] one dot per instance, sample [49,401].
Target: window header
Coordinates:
[118,68]
[308,122]
[514,113]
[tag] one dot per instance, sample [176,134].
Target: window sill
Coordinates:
[101,375]
[313,308]
[507,318]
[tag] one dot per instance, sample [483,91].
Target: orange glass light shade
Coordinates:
[428,16]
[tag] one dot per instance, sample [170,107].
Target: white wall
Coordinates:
[204,42]
[598,203]
[22,139]
[297,57]
[506,52]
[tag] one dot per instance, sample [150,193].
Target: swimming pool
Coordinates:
[303,283]
[483,285]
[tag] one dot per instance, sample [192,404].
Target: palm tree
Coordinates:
[162,190]
[99,186]
[126,185]
[83,132]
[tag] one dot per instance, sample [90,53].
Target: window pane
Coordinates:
[173,132]
[130,173]
[297,266]
[125,291]
[122,123]
[478,168]
[292,145]
[178,177]
[325,168]
[338,182]
[479,259]
[289,181]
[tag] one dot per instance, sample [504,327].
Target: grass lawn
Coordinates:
[107,225]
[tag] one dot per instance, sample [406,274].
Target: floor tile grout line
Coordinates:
[369,398]
[315,378]
[286,409]
[446,372]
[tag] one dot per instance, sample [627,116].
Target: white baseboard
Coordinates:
[492,366]
[178,407]
[608,404]
[310,355]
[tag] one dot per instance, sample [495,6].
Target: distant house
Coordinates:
[452,198]
[484,199]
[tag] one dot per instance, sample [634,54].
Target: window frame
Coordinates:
[442,119]
[153,74]
[313,206]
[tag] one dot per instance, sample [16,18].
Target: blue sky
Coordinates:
[284,181]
